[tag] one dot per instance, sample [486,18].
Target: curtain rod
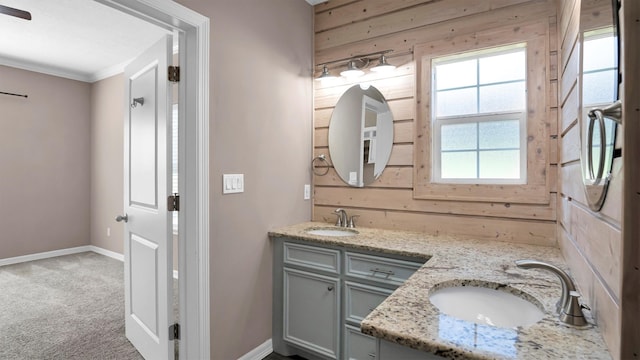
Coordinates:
[12,94]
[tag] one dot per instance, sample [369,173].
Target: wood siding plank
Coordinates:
[402,200]
[359,11]
[515,231]
[391,177]
[406,40]
[399,21]
[600,242]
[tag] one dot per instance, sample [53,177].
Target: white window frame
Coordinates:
[541,118]
[437,122]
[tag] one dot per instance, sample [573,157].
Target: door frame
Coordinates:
[193,247]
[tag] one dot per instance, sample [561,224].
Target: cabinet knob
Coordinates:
[330,288]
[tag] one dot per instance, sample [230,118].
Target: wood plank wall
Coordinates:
[344,28]
[590,241]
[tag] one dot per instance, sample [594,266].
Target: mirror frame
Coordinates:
[596,181]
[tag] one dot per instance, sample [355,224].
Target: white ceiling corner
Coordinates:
[77,39]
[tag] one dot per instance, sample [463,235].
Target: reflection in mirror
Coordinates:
[360,135]
[599,79]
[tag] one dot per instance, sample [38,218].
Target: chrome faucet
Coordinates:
[568,307]
[342,217]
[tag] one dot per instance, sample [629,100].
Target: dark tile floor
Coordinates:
[274,356]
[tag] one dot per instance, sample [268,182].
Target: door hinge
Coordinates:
[174,73]
[173,202]
[174,332]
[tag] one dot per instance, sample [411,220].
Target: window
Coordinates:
[479,117]
[483,117]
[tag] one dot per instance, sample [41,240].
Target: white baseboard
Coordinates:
[260,352]
[105,252]
[69,251]
[44,255]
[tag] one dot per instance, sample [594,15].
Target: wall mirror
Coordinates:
[360,135]
[600,111]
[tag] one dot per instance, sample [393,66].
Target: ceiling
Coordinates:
[77,39]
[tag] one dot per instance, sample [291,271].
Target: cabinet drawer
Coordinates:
[393,351]
[379,269]
[360,300]
[312,257]
[358,346]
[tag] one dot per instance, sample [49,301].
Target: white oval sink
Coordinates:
[332,232]
[482,305]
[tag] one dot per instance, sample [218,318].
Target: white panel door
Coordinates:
[147,174]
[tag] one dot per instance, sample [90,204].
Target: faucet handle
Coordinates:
[338,220]
[352,223]
[572,312]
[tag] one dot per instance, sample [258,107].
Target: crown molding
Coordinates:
[73,75]
[109,72]
[44,69]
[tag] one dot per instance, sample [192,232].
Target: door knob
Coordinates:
[124,218]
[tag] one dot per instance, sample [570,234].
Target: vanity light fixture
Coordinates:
[355,65]
[326,75]
[352,70]
[383,66]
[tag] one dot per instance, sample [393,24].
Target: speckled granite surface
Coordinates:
[407,317]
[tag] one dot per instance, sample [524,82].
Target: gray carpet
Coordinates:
[68,307]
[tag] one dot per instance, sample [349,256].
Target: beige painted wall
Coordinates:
[260,105]
[107,154]
[44,157]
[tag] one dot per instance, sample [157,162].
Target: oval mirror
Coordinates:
[599,79]
[360,135]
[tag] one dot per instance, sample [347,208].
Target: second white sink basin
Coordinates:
[482,305]
[332,232]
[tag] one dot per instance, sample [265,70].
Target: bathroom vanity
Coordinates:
[366,296]
[325,291]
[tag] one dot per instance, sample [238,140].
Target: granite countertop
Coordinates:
[407,317]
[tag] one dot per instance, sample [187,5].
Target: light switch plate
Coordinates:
[232,183]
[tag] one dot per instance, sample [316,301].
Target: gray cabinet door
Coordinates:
[358,346]
[312,312]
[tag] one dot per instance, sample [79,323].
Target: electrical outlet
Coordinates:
[307,191]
